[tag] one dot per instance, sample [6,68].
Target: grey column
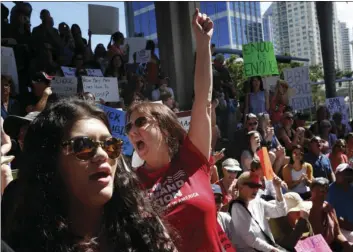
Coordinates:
[129,19]
[177,47]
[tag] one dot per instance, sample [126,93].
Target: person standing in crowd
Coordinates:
[320,163]
[9,106]
[230,169]
[75,191]
[176,162]
[340,197]
[116,69]
[322,113]
[349,146]
[152,67]
[99,57]
[223,218]
[342,129]
[162,88]
[288,230]
[168,100]
[114,47]
[328,138]
[68,44]
[249,215]
[323,218]
[279,102]
[81,43]
[338,156]
[298,174]
[257,101]
[254,143]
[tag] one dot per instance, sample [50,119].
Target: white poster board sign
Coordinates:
[337,104]
[9,67]
[64,86]
[103,20]
[94,72]
[135,45]
[298,80]
[102,88]
[270,82]
[143,56]
[184,118]
[69,71]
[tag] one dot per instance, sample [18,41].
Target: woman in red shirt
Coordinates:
[176,168]
[337,155]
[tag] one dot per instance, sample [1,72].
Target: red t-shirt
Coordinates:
[226,196]
[183,189]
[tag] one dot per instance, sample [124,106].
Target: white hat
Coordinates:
[231,164]
[343,167]
[295,203]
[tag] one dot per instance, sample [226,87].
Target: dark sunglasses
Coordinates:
[289,118]
[6,85]
[139,122]
[84,148]
[230,171]
[252,124]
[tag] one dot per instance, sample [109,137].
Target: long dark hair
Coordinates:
[297,147]
[110,69]
[248,140]
[261,83]
[39,219]
[167,121]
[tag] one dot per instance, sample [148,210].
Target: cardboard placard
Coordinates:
[337,104]
[314,243]
[102,88]
[117,124]
[266,163]
[103,20]
[135,45]
[64,86]
[184,118]
[69,71]
[94,72]
[143,56]
[259,59]
[299,81]
[270,82]
[9,67]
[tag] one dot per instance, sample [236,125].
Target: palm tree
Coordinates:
[325,20]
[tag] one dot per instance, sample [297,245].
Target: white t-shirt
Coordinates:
[224,221]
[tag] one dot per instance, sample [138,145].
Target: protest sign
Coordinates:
[68,71]
[94,72]
[103,20]
[9,67]
[102,88]
[143,56]
[117,124]
[64,86]
[314,243]
[135,45]
[259,59]
[337,104]
[298,80]
[184,118]
[265,163]
[270,82]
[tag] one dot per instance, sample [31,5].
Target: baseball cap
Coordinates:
[231,164]
[216,189]
[343,167]
[41,77]
[12,123]
[295,203]
[249,179]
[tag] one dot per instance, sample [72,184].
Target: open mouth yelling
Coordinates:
[103,176]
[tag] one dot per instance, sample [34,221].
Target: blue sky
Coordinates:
[77,12]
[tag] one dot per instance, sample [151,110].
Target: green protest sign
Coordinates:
[259,59]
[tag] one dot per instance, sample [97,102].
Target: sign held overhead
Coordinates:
[103,20]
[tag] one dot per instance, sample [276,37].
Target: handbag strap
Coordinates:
[268,239]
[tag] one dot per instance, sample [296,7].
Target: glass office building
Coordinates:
[236,23]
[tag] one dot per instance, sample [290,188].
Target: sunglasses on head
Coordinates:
[84,148]
[139,122]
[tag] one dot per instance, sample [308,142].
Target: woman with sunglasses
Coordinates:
[323,218]
[338,156]
[75,192]
[298,174]
[176,169]
[279,102]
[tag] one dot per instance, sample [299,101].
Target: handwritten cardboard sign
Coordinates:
[314,243]
[259,59]
[9,67]
[270,82]
[102,88]
[135,45]
[117,124]
[299,81]
[64,86]
[265,163]
[94,72]
[143,56]
[69,71]
[103,26]
[337,104]
[184,118]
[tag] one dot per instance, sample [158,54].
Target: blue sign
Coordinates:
[117,124]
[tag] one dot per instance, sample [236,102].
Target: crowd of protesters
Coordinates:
[75,191]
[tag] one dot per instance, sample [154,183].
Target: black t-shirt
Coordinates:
[8,200]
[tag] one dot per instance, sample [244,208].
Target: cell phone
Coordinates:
[222,151]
